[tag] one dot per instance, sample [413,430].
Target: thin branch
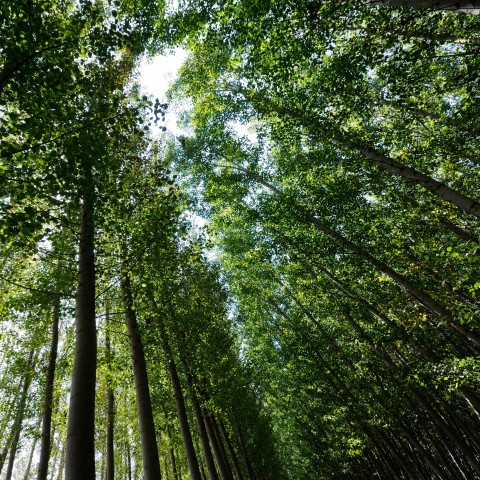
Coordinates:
[45,292]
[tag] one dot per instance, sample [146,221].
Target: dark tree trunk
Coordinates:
[220,443]
[26,475]
[217,452]
[151,461]
[304,215]
[80,447]
[45,446]
[231,450]
[389,164]
[8,438]
[467,6]
[174,463]
[202,432]
[243,450]
[192,460]
[110,457]
[17,425]
[129,463]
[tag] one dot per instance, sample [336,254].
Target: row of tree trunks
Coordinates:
[110,455]
[151,462]
[12,445]
[45,446]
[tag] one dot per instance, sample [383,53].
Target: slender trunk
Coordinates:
[471,397]
[202,432]
[103,470]
[151,461]
[398,328]
[243,450]
[129,463]
[192,460]
[110,457]
[384,162]
[45,446]
[55,454]
[395,167]
[231,451]
[442,426]
[80,447]
[466,6]
[202,469]
[425,455]
[26,475]
[11,407]
[61,465]
[303,214]
[17,425]
[174,463]
[459,232]
[220,443]
[222,467]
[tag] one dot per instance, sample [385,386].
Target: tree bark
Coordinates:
[110,457]
[45,446]
[80,447]
[303,214]
[394,167]
[174,463]
[382,161]
[26,475]
[222,467]
[192,460]
[17,425]
[129,463]
[151,461]
[220,443]
[231,451]
[202,432]
[243,450]
[466,6]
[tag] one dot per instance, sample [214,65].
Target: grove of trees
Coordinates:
[289,289]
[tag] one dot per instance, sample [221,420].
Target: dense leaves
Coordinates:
[287,290]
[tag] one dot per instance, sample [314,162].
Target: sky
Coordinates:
[156,75]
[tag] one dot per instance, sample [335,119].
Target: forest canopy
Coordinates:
[289,289]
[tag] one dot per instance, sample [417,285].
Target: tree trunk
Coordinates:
[9,438]
[222,466]
[129,463]
[174,463]
[243,450]
[151,461]
[384,162]
[467,6]
[45,445]
[80,447]
[394,167]
[26,475]
[220,443]
[17,425]
[192,460]
[231,451]
[110,457]
[303,214]
[61,465]
[202,432]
